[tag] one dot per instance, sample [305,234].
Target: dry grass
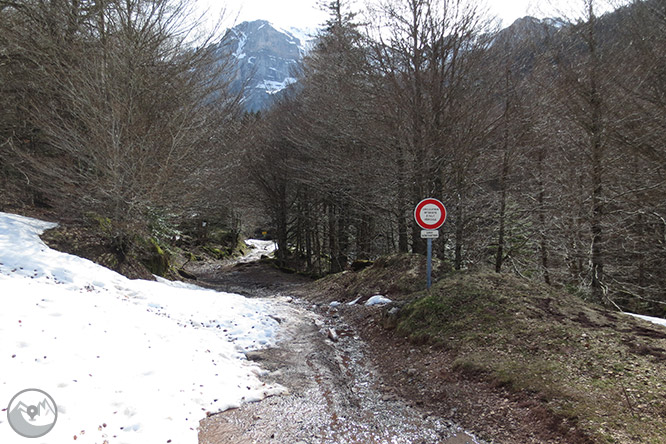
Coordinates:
[604,372]
[601,372]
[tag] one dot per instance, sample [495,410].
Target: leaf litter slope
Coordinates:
[127,361]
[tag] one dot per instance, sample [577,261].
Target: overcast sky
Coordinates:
[306,13]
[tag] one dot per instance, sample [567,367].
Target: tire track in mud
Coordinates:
[333,395]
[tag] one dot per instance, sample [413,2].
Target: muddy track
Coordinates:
[334,395]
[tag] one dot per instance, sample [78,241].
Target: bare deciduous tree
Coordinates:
[127,109]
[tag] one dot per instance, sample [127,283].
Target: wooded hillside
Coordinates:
[544,140]
[115,114]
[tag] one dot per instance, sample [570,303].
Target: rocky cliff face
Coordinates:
[266,60]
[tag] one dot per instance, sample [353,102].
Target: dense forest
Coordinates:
[545,140]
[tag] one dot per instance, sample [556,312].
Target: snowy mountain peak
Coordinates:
[267,59]
[263,34]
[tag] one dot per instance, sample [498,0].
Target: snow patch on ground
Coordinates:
[127,361]
[378,300]
[354,301]
[258,248]
[658,321]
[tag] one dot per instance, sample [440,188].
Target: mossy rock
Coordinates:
[104,224]
[152,256]
[360,264]
[223,237]
[216,253]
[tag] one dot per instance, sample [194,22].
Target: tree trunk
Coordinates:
[282,224]
[597,258]
[499,256]
[541,208]
[597,160]
[460,232]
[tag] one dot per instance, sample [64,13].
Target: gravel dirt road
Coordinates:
[335,394]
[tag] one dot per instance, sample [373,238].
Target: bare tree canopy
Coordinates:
[545,141]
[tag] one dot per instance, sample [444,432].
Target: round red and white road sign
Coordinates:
[430,214]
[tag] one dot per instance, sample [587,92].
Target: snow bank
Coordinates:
[126,361]
[258,248]
[658,321]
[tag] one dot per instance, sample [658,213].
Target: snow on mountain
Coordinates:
[267,59]
[127,361]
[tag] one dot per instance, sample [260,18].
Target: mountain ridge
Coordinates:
[265,59]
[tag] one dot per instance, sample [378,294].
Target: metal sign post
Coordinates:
[430,214]
[429,267]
